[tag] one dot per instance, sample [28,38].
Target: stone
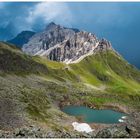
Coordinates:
[132,130]
[63,44]
[113,132]
[104,134]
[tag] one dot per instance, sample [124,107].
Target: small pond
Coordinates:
[94,116]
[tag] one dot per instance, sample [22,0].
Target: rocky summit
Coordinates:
[64,44]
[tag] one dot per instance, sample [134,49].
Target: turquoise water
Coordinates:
[91,115]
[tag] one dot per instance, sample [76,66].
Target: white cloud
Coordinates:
[50,11]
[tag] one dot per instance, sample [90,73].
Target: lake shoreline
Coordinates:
[130,122]
[114,107]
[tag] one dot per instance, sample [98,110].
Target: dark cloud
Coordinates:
[12,17]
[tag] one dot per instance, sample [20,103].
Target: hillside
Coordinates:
[34,88]
[22,38]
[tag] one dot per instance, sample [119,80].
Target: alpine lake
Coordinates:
[89,115]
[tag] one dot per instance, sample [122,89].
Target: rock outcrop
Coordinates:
[64,44]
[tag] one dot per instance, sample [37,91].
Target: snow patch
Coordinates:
[120,120]
[82,127]
[124,117]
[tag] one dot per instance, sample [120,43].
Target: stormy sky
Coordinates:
[117,22]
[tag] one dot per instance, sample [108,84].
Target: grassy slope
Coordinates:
[109,77]
[13,60]
[107,71]
[110,70]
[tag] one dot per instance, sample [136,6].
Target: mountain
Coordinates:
[22,38]
[64,44]
[89,72]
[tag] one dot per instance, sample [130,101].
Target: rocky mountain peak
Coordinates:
[63,44]
[51,26]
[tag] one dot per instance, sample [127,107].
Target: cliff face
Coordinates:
[64,44]
[52,35]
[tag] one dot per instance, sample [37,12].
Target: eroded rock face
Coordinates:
[52,35]
[64,44]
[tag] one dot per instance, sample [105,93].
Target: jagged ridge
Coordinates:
[64,44]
